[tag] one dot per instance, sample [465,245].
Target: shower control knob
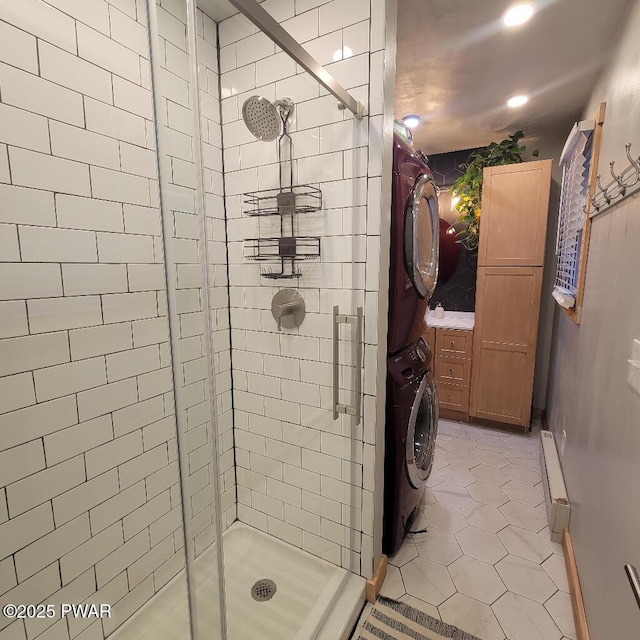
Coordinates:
[288,309]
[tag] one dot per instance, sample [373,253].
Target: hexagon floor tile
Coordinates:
[523,516]
[555,567]
[444,517]
[404,554]
[427,580]
[523,493]
[452,495]
[476,579]
[526,578]
[524,619]
[523,458]
[484,517]
[525,544]
[463,444]
[393,587]
[438,545]
[491,443]
[462,459]
[487,494]
[490,475]
[487,541]
[559,607]
[471,616]
[481,544]
[491,458]
[522,474]
[458,475]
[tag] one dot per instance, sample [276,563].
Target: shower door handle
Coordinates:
[356,321]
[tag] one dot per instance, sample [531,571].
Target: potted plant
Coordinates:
[467,189]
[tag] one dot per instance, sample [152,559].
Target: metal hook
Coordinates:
[634,163]
[603,190]
[594,202]
[618,179]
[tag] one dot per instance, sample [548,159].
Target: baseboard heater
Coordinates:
[555,491]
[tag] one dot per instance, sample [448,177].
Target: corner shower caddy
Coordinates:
[287,201]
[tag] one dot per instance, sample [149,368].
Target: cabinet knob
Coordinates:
[453,343]
[450,370]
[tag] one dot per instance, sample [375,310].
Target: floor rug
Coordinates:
[394,620]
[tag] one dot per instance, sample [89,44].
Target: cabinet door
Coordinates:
[504,345]
[513,222]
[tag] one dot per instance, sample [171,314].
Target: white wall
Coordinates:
[589,396]
[302,476]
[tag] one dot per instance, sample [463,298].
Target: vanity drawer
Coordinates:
[454,397]
[454,343]
[453,370]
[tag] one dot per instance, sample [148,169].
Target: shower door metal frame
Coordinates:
[170,284]
[272,28]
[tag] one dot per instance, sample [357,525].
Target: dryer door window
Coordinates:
[421,433]
[422,236]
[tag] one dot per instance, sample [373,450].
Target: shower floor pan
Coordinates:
[312,600]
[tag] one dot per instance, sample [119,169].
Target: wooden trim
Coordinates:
[375,583]
[575,313]
[577,604]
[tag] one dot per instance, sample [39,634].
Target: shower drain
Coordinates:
[263,590]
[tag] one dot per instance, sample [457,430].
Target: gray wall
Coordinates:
[550,147]
[589,396]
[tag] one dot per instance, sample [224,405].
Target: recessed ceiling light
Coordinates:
[517,101]
[342,54]
[411,122]
[518,14]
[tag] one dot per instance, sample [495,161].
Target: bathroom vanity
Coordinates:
[451,342]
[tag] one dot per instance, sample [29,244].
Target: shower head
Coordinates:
[264,118]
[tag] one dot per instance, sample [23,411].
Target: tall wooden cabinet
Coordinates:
[515,202]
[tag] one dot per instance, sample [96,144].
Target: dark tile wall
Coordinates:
[459,292]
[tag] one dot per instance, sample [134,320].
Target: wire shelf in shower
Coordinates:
[304,198]
[286,250]
[268,249]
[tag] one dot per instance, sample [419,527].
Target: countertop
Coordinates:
[452,320]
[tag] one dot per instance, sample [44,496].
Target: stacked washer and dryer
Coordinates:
[412,402]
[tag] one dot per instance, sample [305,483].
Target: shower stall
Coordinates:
[193,238]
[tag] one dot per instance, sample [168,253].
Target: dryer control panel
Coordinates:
[410,364]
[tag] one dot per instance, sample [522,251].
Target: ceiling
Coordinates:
[457,65]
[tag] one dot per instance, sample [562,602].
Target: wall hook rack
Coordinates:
[619,187]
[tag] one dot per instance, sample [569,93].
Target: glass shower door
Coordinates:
[190,159]
[296,228]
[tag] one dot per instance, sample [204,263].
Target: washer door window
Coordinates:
[421,434]
[422,235]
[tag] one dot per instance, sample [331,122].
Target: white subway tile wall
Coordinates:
[300,473]
[89,500]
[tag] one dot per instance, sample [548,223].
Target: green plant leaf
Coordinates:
[468,187]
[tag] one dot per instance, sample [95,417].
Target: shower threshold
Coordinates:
[303,597]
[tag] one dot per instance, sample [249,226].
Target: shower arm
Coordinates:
[263,20]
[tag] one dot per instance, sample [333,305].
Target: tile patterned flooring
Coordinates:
[487,564]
